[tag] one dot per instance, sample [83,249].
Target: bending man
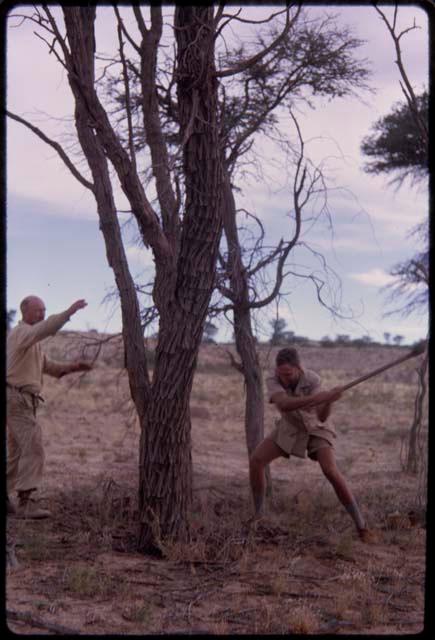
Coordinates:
[303,427]
[26,364]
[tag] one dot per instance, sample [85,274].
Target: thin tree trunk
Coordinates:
[414,461]
[244,338]
[79,22]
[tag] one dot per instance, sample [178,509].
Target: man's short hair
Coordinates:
[289,355]
[26,302]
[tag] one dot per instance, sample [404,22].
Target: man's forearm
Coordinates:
[48,327]
[68,368]
[292,404]
[323,411]
[59,369]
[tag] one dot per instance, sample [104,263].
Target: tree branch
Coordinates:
[407,88]
[56,146]
[245,64]
[81,78]
[127,91]
[29,619]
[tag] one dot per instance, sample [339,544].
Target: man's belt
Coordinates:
[35,396]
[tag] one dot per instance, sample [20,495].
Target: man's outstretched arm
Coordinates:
[319,399]
[60,369]
[36,332]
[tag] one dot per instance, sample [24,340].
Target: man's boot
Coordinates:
[28,509]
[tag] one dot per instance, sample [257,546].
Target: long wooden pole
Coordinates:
[418,350]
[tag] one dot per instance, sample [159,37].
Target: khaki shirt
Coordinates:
[25,360]
[301,420]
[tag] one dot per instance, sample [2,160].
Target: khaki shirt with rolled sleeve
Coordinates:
[293,428]
[25,361]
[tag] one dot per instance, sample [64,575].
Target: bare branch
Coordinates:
[80,76]
[267,260]
[140,22]
[161,166]
[246,21]
[127,91]
[56,146]
[125,32]
[242,66]
[406,86]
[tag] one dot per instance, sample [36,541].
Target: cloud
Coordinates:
[373,278]
[141,257]
[357,243]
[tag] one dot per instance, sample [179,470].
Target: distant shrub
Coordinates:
[327,342]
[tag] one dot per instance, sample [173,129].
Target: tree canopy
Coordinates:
[396,145]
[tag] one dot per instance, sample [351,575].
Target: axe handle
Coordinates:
[376,371]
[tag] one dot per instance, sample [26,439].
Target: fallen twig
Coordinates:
[28,618]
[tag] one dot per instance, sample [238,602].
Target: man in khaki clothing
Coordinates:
[26,364]
[302,428]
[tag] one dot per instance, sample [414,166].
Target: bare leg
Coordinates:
[326,459]
[262,455]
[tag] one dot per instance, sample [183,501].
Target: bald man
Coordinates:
[26,364]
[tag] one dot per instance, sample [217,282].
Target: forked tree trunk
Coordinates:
[165,458]
[185,271]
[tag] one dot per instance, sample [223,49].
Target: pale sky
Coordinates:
[54,246]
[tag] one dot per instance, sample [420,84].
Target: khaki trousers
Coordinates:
[25,457]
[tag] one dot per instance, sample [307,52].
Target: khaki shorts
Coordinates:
[296,443]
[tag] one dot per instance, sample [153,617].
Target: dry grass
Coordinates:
[302,571]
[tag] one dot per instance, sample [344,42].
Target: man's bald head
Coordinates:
[32,309]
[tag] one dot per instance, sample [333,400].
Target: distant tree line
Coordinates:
[343,340]
[280,336]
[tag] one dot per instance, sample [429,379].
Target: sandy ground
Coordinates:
[301,571]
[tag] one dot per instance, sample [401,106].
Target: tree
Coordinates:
[399,145]
[278,325]
[305,58]
[210,330]
[193,157]
[327,342]
[184,237]
[288,66]
[403,149]
[398,340]
[387,337]
[409,293]
[396,145]
[10,316]
[289,336]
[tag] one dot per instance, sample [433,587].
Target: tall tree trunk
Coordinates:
[165,458]
[185,273]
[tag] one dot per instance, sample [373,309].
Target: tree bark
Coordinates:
[414,461]
[185,272]
[165,463]
[79,23]
[244,337]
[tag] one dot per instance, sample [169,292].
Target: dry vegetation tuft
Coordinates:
[301,571]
